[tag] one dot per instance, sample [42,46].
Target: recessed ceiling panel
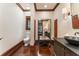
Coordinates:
[48,5]
[39,6]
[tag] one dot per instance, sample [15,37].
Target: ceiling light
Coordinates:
[28,8]
[45,6]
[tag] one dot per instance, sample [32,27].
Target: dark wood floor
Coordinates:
[34,51]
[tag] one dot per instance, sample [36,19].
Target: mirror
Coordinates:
[28,19]
[75,15]
[44,28]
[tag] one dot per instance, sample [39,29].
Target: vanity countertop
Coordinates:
[74,49]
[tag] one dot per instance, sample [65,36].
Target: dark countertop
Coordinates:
[74,49]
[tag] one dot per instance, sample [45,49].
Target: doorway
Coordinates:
[44,32]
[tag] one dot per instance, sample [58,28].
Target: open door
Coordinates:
[55,28]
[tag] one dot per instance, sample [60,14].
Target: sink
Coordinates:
[72,40]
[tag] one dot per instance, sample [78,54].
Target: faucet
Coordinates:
[76,33]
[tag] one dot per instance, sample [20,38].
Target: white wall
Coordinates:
[27,13]
[75,9]
[45,15]
[12,26]
[32,14]
[64,26]
[27,32]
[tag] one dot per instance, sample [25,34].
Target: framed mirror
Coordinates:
[75,15]
[28,22]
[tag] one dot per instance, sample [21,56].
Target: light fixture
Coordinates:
[64,10]
[28,8]
[45,6]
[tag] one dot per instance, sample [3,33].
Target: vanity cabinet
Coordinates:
[61,50]
[67,52]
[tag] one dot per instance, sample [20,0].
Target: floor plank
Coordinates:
[34,51]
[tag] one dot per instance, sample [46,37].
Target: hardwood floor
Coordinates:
[22,51]
[34,51]
[44,51]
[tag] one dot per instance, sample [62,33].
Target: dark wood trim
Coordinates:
[55,28]
[35,6]
[56,6]
[42,27]
[45,20]
[34,29]
[46,9]
[19,5]
[13,49]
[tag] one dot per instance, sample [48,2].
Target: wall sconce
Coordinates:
[66,11]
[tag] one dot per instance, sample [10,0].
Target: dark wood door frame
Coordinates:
[34,29]
[55,28]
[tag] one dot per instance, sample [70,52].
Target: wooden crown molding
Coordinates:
[46,9]
[19,5]
[56,6]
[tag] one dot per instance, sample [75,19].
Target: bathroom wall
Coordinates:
[32,14]
[32,41]
[27,32]
[12,26]
[64,25]
[44,15]
[27,13]
[75,9]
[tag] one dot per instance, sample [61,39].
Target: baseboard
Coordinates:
[13,49]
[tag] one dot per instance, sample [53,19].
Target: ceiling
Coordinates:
[25,6]
[39,6]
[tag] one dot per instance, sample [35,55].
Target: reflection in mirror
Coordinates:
[75,15]
[44,28]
